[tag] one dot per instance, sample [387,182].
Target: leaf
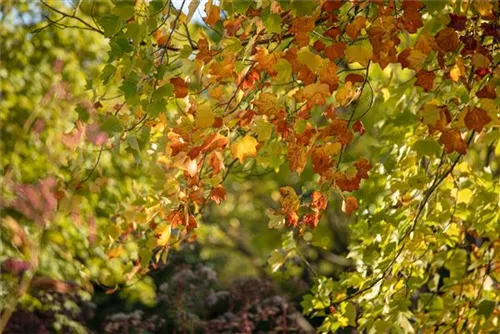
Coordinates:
[335,51]
[313,61]
[162,234]
[108,71]
[447,40]
[111,24]
[344,93]
[262,128]
[452,141]
[476,119]
[276,221]
[353,29]
[427,147]
[273,23]
[218,194]
[111,124]
[349,205]
[244,147]
[425,80]
[213,13]
[284,71]
[160,93]
[180,87]
[486,308]
[193,5]
[204,116]
[359,53]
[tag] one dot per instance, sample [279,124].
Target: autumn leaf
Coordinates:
[358,53]
[345,93]
[266,104]
[363,167]
[452,141]
[353,29]
[447,40]
[425,80]
[162,234]
[218,194]
[213,13]
[349,205]
[318,201]
[476,119]
[204,116]
[180,87]
[244,147]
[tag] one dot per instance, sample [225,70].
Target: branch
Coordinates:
[73,16]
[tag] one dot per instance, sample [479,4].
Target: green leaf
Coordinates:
[83,113]
[231,45]
[110,24]
[155,108]
[273,23]
[284,69]
[132,142]
[486,308]
[427,147]
[124,10]
[135,32]
[111,124]
[129,87]
[108,71]
[166,90]
[276,221]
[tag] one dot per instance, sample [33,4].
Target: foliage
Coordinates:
[383,114]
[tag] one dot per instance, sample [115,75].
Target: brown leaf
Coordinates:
[452,141]
[335,51]
[476,119]
[363,167]
[447,40]
[425,79]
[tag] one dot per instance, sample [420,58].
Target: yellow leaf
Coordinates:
[204,117]
[344,93]
[244,147]
[358,53]
[464,196]
[162,234]
[267,103]
[313,61]
[333,148]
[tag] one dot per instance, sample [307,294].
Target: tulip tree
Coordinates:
[267,85]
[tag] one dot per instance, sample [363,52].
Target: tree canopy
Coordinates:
[354,144]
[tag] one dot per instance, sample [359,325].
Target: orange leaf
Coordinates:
[349,205]
[218,194]
[353,29]
[318,202]
[335,51]
[180,87]
[213,14]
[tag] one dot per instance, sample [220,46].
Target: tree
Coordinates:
[385,109]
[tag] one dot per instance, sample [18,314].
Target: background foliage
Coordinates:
[279,166]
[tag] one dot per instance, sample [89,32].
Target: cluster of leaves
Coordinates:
[270,85]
